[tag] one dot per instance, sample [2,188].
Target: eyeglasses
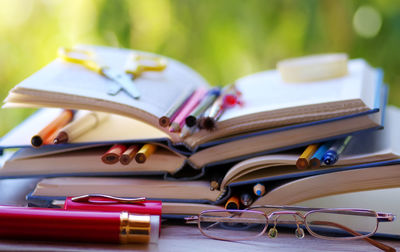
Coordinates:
[324,223]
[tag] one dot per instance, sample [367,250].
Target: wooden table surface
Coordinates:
[175,236]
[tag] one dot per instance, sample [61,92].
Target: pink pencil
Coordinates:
[178,122]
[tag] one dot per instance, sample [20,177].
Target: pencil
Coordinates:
[315,161]
[145,152]
[259,189]
[179,120]
[232,203]
[178,105]
[205,103]
[80,126]
[303,160]
[129,154]
[113,154]
[62,119]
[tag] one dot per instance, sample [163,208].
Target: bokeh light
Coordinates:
[367,21]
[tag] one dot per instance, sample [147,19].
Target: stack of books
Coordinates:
[250,151]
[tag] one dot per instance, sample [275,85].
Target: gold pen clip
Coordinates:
[88,198]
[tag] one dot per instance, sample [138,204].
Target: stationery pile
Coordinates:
[147,125]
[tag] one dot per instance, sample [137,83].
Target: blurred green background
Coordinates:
[222,40]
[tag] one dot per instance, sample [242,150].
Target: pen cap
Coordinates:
[106,203]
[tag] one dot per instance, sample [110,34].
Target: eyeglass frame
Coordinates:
[380,217]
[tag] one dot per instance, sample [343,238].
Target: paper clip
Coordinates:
[88,199]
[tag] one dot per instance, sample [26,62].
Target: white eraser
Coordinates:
[313,68]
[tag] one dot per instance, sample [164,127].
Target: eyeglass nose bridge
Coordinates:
[274,216]
[279,213]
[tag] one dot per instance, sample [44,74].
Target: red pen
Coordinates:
[82,226]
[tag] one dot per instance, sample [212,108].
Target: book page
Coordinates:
[266,91]
[158,89]
[115,128]
[366,147]
[126,187]
[333,183]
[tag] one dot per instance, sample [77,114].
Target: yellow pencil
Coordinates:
[303,160]
[145,152]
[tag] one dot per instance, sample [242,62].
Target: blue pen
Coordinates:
[332,155]
[316,159]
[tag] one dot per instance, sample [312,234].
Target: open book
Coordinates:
[371,161]
[366,147]
[268,102]
[167,160]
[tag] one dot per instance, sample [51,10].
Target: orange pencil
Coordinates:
[129,154]
[113,154]
[304,159]
[48,131]
[232,203]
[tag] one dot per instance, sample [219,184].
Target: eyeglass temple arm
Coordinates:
[191,219]
[377,244]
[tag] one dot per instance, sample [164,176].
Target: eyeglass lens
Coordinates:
[341,224]
[232,225]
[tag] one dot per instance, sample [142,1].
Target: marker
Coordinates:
[246,199]
[303,160]
[80,126]
[259,189]
[174,110]
[229,98]
[145,152]
[62,119]
[206,102]
[316,159]
[332,155]
[113,154]
[129,154]
[232,203]
[179,120]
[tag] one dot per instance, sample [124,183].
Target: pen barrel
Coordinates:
[80,226]
[85,123]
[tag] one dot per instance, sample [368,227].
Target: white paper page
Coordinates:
[266,91]
[158,89]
